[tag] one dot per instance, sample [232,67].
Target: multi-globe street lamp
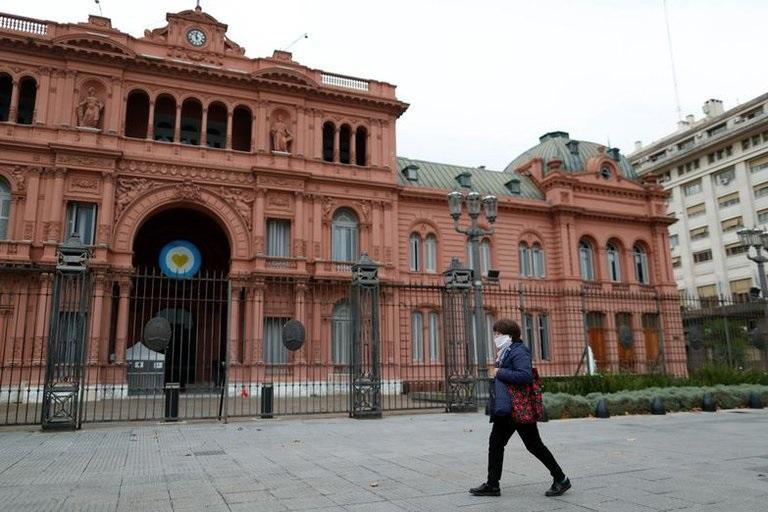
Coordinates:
[475,204]
[757,238]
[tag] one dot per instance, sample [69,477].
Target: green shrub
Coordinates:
[684,398]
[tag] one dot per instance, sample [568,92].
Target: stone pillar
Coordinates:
[258,223]
[300,305]
[151,121]
[122,319]
[234,326]
[14,111]
[254,132]
[353,147]
[106,221]
[317,146]
[262,141]
[300,135]
[94,339]
[41,98]
[257,354]
[42,319]
[113,114]
[204,128]
[298,225]
[229,129]
[55,231]
[30,204]
[336,147]
[249,326]
[317,228]
[177,125]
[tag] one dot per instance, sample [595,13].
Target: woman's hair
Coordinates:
[508,327]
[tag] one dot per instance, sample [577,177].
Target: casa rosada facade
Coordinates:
[176,150]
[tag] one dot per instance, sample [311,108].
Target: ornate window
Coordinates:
[81,222]
[417,337]
[136,115]
[361,142]
[191,122]
[524,253]
[430,254]
[6,92]
[485,256]
[414,252]
[535,333]
[329,132]
[344,236]
[165,118]
[614,262]
[274,350]
[216,126]
[341,332]
[241,129]
[5,207]
[434,336]
[345,138]
[279,238]
[641,264]
[27,95]
[537,257]
[586,261]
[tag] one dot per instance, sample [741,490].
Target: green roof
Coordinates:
[484,181]
[573,153]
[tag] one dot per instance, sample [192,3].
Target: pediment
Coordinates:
[285,75]
[94,42]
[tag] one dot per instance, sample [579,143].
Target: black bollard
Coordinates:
[601,409]
[172,401]
[657,406]
[754,401]
[708,403]
[267,395]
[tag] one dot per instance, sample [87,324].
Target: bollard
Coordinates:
[754,401]
[172,401]
[601,409]
[708,403]
[657,406]
[267,395]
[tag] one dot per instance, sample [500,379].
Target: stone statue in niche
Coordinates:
[281,135]
[89,110]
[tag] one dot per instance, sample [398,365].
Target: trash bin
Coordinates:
[172,401]
[267,395]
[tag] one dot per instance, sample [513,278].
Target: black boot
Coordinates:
[558,488]
[486,490]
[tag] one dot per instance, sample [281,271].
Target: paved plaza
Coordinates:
[424,462]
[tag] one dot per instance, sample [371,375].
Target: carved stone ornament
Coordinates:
[129,189]
[90,109]
[278,200]
[85,183]
[187,190]
[328,204]
[241,199]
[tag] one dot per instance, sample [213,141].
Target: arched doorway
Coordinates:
[179,300]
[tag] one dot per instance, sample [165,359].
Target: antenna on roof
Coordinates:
[672,60]
[99,5]
[302,36]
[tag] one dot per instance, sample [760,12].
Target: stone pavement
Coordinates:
[687,461]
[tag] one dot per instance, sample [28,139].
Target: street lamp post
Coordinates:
[757,238]
[474,232]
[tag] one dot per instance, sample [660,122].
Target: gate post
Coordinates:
[460,379]
[365,377]
[65,373]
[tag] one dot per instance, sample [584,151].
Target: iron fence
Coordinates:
[211,347]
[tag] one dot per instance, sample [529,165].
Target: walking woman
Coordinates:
[514,366]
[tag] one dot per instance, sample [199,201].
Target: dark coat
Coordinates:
[515,367]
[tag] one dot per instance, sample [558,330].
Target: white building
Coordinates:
[716,169]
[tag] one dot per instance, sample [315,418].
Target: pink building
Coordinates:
[262,180]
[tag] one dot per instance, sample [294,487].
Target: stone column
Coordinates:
[204,128]
[258,223]
[41,98]
[300,297]
[177,125]
[229,129]
[257,354]
[234,326]
[317,146]
[122,319]
[106,221]
[94,338]
[30,204]
[298,225]
[299,134]
[55,231]
[113,114]
[352,147]
[336,147]
[254,133]
[14,111]
[42,319]
[262,141]
[151,121]
[249,326]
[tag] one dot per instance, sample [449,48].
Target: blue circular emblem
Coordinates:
[180,259]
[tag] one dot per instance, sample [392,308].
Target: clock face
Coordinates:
[196,37]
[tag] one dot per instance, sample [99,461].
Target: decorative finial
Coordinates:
[198,8]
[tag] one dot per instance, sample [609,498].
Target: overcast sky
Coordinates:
[485,78]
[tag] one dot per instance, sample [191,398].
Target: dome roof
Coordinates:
[573,153]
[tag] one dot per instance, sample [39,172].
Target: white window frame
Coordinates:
[74,208]
[341,333]
[274,351]
[586,261]
[485,256]
[5,208]
[417,337]
[525,259]
[414,252]
[433,332]
[279,238]
[613,255]
[538,261]
[640,257]
[345,245]
[430,254]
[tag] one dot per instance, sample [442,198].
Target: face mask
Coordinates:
[500,340]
